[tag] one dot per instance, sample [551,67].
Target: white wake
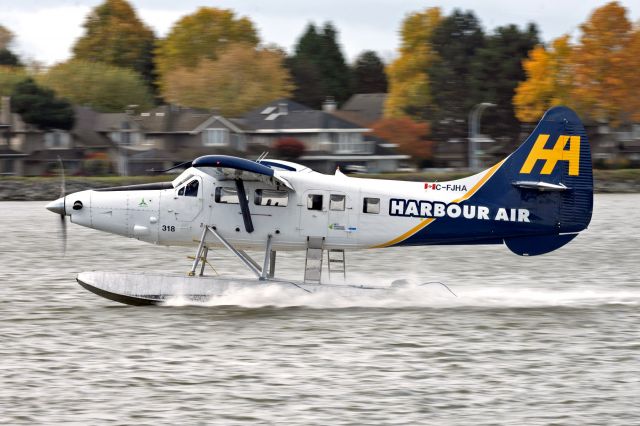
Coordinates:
[419,294]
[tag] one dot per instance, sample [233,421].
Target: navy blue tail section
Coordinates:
[535,201]
[551,176]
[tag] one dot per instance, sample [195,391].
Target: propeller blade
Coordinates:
[63,221]
[63,185]
[63,232]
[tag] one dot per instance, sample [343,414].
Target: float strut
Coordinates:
[205,253]
[267,259]
[192,272]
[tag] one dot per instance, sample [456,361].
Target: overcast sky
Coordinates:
[46,29]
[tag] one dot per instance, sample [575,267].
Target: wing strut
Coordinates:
[244,206]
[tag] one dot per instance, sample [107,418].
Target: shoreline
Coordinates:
[624,181]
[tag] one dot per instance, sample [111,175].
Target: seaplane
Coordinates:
[534,201]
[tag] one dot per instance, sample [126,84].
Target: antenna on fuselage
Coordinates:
[262,156]
[186,165]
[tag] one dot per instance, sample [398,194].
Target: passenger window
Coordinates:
[226,195]
[371,205]
[191,190]
[336,202]
[269,197]
[314,202]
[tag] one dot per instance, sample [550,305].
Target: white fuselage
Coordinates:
[349,213]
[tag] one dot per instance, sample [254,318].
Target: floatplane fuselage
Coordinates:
[534,201]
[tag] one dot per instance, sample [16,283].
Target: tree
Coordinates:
[203,35]
[600,63]
[115,35]
[456,41]
[307,81]
[241,78]
[631,76]
[409,83]
[409,135]
[7,57]
[6,37]
[9,78]
[548,83]
[368,74]
[318,67]
[100,86]
[597,76]
[496,72]
[289,148]
[40,107]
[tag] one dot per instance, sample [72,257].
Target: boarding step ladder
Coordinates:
[336,262]
[313,262]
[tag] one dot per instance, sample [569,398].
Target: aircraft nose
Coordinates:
[56,206]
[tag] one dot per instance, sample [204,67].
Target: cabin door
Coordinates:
[342,218]
[183,204]
[314,217]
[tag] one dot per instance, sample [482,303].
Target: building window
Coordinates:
[57,140]
[314,202]
[348,142]
[336,202]
[215,137]
[371,205]
[125,137]
[269,197]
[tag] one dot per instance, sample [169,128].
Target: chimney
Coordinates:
[283,108]
[5,110]
[329,104]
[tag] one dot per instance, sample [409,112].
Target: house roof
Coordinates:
[85,127]
[368,106]
[172,119]
[287,116]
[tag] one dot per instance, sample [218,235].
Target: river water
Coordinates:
[553,339]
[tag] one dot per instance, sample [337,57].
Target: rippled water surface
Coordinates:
[553,339]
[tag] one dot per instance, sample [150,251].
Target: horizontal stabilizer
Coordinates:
[533,246]
[540,186]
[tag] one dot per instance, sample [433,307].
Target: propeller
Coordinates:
[63,222]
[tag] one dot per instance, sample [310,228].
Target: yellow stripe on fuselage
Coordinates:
[424,222]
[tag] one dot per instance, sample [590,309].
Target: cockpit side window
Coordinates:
[181,191]
[191,190]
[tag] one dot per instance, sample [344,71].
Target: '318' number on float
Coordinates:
[168,228]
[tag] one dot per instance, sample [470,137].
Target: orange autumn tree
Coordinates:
[240,79]
[410,136]
[598,76]
[408,76]
[548,80]
[602,65]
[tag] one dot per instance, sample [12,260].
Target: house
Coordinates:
[38,150]
[11,161]
[330,141]
[363,108]
[169,135]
